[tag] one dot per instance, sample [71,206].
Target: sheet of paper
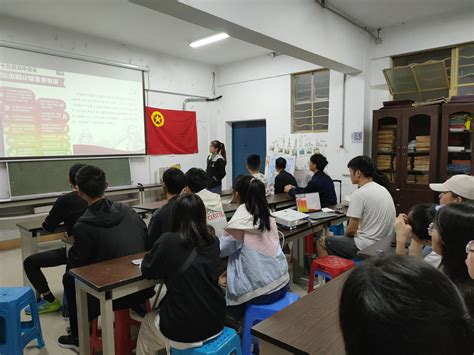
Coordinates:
[137,262]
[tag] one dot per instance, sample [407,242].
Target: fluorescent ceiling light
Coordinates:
[208,40]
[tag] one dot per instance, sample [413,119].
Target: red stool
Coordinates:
[329,267]
[124,344]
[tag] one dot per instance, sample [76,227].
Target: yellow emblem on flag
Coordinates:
[157,118]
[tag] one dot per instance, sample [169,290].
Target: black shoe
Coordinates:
[69,342]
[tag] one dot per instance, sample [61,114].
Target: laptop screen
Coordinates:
[308,202]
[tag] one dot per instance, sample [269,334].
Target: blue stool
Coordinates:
[357,261]
[15,334]
[255,313]
[228,342]
[337,229]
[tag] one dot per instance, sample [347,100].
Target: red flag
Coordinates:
[170,131]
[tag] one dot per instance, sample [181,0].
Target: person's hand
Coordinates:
[223,280]
[402,230]
[288,188]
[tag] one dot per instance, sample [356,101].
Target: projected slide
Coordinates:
[52,106]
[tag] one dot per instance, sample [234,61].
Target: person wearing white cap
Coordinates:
[457,189]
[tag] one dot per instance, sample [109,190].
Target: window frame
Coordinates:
[294,77]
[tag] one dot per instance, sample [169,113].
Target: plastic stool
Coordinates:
[255,313]
[228,342]
[329,267]
[337,229]
[124,343]
[15,334]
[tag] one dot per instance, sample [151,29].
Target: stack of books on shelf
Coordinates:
[386,140]
[421,163]
[418,179]
[462,166]
[422,144]
[458,123]
[384,162]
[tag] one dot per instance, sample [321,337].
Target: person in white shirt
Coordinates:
[196,182]
[253,166]
[371,213]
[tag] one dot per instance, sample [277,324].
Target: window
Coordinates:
[464,65]
[409,79]
[310,102]
[418,82]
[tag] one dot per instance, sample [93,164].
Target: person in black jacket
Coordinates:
[187,260]
[216,162]
[320,182]
[283,178]
[174,182]
[107,230]
[67,208]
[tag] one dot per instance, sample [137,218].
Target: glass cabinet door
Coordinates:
[418,150]
[386,153]
[459,157]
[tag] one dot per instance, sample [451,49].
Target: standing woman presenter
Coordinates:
[216,162]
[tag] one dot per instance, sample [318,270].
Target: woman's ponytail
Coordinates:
[252,194]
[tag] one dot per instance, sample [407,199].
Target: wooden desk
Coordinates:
[227,192]
[297,234]
[152,206]
[29,244]
[107,281]
[308,326]
[277,201]
[383,244]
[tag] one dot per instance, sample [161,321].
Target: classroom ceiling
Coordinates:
[128,23]
[390,13]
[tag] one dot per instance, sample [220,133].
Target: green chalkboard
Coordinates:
[40,177]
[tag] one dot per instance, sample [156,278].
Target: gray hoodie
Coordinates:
[215,212]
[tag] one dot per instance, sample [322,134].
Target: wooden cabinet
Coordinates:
[457,140]
[405,146]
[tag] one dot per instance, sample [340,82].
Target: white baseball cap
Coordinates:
[461,185]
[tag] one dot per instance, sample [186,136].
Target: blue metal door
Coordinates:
[247,138]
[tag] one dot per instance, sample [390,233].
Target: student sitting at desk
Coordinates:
[451,230]
[253,167]
[401,305]
[257,272]
[283,178]
[320,182]
[457,189]
[174,182]
[415,225]
[371,213]
[186,259]
[107,230]
[67,208]
[196,182]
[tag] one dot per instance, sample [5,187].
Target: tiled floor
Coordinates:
[52,324]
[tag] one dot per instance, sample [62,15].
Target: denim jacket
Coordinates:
[257,265]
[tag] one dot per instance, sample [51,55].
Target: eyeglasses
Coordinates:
[470,247]
[431,227]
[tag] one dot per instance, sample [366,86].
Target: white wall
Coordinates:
[166,73]
[268,96]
